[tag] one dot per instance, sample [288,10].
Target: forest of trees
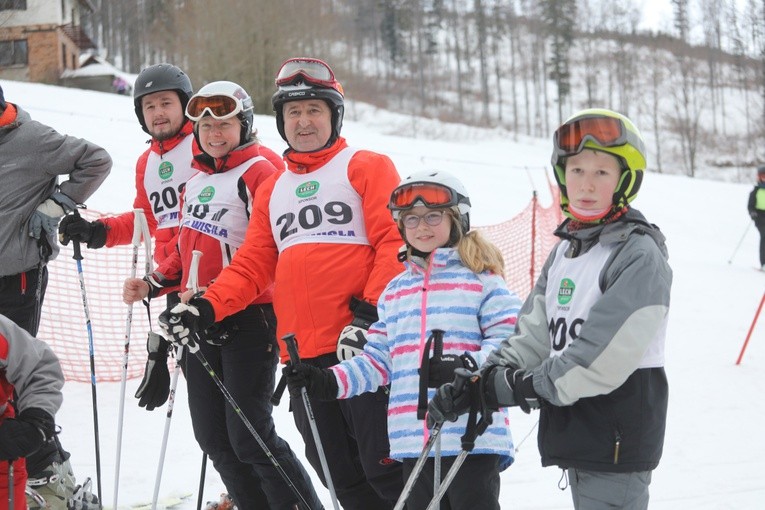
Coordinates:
[522,65]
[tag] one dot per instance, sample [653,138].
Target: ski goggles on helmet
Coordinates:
[219,107]
[307,70]
[427,193]
[571,137]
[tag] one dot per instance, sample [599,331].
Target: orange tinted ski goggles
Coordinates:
[605,131]
[219,107]
[429,194]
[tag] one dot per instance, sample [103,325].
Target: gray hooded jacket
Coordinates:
[32,156]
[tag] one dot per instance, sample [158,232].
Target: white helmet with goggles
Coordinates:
[606,131]
[304,78]
[223,100]
[434,189]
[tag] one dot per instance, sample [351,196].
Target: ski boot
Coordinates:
[54,485]
[83,497]
[225,503]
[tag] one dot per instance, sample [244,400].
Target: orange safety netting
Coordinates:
[524,240]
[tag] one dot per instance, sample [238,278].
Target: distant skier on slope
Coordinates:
[756,208]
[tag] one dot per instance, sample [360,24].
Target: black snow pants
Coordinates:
[246,364]
[354,436]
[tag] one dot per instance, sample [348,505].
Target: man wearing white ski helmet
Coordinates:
[322,233]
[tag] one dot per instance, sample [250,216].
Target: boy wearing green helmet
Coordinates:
[588,349]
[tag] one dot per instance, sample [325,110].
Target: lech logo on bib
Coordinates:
[206,194]
[307,189]
[165,170]
[565,291]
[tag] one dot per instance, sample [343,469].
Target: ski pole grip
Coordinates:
[138,217]
[193,281]
[461,378]
[438,343]
[292,350]
[276,398]
[77,251]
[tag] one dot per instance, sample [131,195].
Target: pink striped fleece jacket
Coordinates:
[476,311]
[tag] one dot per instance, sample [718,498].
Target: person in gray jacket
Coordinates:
[32,201]
[588,349]
[29,369]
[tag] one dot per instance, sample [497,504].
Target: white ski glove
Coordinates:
[49,213]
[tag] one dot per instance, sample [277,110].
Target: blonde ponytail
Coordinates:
[477,253]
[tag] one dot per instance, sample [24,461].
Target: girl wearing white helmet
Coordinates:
[449,309]
[589,347]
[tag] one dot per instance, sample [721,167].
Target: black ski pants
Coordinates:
[246,365]
[354,436]
[475,486]
[760,224]
[18,299]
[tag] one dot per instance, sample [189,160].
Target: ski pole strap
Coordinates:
[422,401]
[471,430]
[279,391]
[436,339]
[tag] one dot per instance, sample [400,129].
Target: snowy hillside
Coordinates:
[713,455]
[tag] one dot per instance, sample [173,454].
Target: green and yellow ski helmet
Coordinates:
[607,131]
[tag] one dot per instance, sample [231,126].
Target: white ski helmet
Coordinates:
[431,188]
[223,100]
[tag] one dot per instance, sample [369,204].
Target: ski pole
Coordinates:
[740,242]
[438,352]
[78,257]
[202,472]
[138,220]
[193,348]
[461,377]
[11,483]
[292,350]
[472,431]
[238,410]
[193,282]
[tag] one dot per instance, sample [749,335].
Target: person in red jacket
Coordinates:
[215,210]
[30,395]
[321,232]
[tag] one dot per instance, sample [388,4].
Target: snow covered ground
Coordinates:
[714,450]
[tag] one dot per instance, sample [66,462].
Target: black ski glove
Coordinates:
[25,434]
[76,228]
[354,335]
[442,368]
[507,387]
[449,403]
[185,321]
[320,383]
[155,386]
